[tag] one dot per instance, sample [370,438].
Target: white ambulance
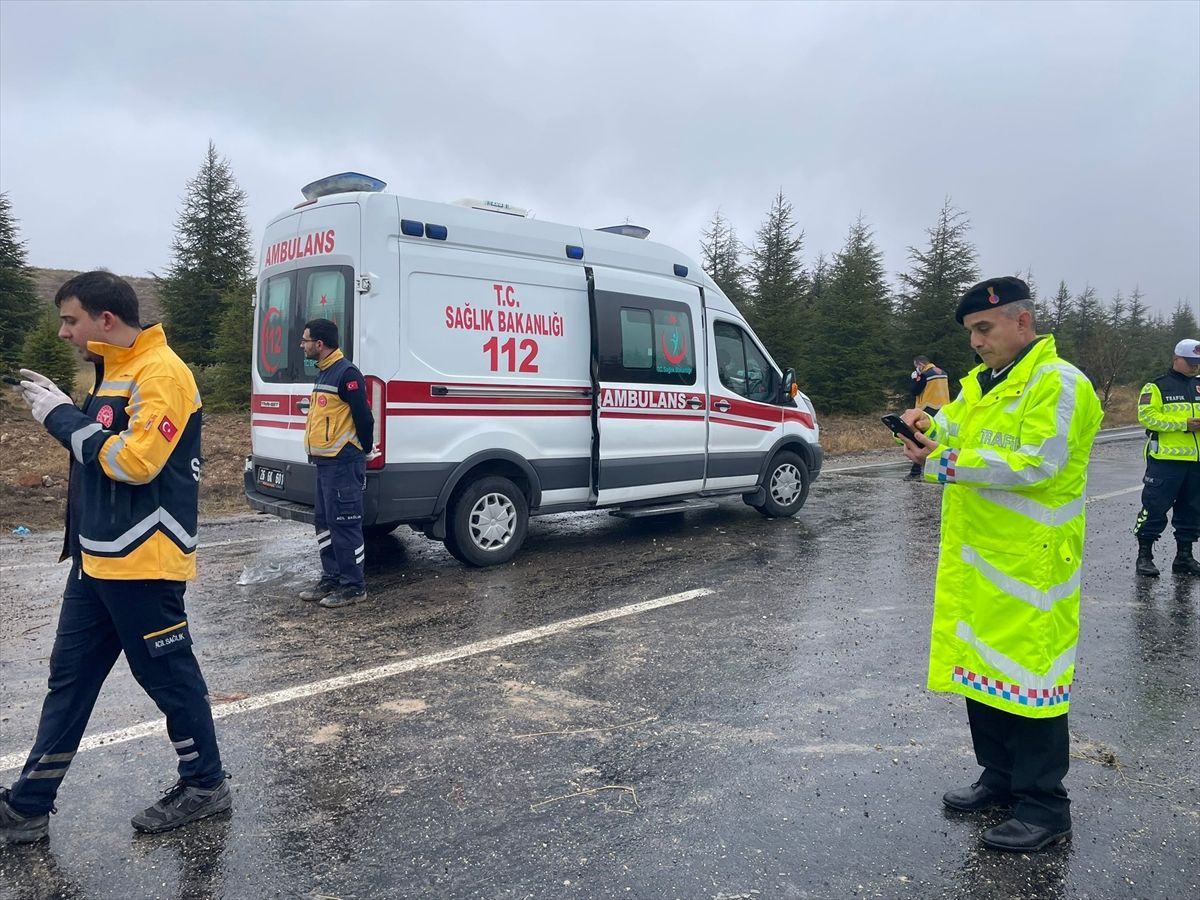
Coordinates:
[515,368]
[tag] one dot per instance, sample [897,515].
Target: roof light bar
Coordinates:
[344,183]
[627,230]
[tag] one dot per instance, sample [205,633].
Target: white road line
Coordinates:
[146,729]
[1128,490]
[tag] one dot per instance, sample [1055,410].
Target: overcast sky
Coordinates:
[1070,132]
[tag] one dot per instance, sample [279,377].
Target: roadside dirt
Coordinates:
[33,468]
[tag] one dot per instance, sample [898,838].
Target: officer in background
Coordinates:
[131,536]
[338,437]
[1012,451]
[931,391]
[1169,408]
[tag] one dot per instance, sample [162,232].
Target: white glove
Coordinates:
[375,453]
[42,395]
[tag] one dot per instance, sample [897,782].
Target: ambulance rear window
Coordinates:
[287,302]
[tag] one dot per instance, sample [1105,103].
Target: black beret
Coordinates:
[991,293]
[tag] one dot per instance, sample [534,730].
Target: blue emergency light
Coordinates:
[344,183]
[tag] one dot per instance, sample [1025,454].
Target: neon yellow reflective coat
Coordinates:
[1164,406]
[1014,465]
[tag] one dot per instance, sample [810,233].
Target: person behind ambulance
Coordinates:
[337,437]
[931,391]
[1169,409]
[1012,452]
[131,537]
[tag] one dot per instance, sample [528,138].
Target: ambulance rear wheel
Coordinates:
[786,486]
[488,522]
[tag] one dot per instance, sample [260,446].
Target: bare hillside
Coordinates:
[48,281]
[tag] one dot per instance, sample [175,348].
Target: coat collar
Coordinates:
[1040,350]
[330,359]
[147,338]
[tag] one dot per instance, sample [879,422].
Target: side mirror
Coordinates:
[790,388]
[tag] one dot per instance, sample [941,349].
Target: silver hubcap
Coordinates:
[786,485]
[493,520]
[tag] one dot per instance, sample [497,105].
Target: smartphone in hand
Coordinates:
[898,428]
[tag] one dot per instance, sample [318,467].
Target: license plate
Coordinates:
[270,478]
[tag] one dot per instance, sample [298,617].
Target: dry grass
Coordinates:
[858,434]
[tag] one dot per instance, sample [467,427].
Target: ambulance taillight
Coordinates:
[376,395]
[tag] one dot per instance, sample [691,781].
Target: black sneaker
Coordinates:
[344,596]
[320,590]
[182,805]
[18,829]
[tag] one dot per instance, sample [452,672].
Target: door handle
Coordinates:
[694,402]
[302,405]
[721,405]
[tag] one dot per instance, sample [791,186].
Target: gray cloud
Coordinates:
[1068,131]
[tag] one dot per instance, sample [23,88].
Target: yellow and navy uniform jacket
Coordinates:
[133,500]
[340,424]
[931,387]
[1164,406]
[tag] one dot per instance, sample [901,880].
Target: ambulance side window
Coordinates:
[644,340]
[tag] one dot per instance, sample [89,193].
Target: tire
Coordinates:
[379,529]
[786,485]
[489,519]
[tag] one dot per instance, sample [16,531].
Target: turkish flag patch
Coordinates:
[167,429]
[352,385]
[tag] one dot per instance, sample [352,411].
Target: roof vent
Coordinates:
[633,231]
[495,206]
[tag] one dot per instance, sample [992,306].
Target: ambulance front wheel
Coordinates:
[786,486]
[488,522]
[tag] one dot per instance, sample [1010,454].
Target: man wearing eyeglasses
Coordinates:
[338,439]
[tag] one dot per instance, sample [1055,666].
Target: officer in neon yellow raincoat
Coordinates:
[1012,451]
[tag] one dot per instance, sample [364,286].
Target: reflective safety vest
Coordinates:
[1014,465]
[1164,406]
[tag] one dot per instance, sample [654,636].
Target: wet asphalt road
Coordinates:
[769,739]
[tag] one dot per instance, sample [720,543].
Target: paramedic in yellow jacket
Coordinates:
[337,438]
[1012,452]
[131,538]
[931,387]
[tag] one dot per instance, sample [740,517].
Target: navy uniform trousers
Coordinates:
[99,619]
[338,519]
[1026,759]
[1170,484]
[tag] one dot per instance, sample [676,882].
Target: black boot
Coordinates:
[1185,563]
[1145,560]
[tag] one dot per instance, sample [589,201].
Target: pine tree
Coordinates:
[227,383]
[49,354]
[849,317]
[779,283]
[721,257]
[20,308]
[1183,324]
[1138,334]
[212,259]
[937,277]
[1085,330]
